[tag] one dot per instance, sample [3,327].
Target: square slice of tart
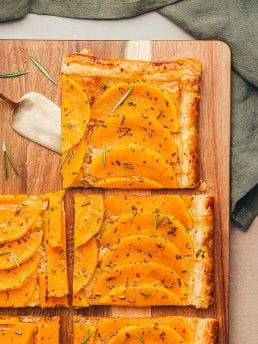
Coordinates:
[163,330]
[29,330]
[143,250]
[130,124]
[33,269]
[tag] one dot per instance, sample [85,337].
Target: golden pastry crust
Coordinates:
[180,79]
[196,331]
[120,228]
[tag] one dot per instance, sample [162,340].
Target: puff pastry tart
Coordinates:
[29,330]
[163,330]
[32,251]
[143,251]
[130,124]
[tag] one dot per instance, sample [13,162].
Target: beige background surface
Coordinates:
[243,246]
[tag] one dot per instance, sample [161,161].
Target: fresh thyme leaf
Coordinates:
[4,253]
[159,222]
[123,98]
[146,295]
[104,157]
[6,157]
[86,339]
[140,339]
[14,257]
[85,203]
[42,69]
[68,156]
[13,74]
[123,119]
[156,214]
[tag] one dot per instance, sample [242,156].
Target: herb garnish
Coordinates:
[86,339]
[42,69]
[68,156]
[14,257]
[140,339]
[104,157]
[123,98]
[6,159]
[157,221]
[13,74]
[4,253]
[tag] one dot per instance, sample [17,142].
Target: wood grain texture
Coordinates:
[40,168]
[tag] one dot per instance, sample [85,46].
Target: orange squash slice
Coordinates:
[132,160]
[75,112]
[145,248]
[167,204]
[16,218]
[18,276]
[158,224]
[137,129]
[89,216]
[131,182]
[144,99]
[23,249]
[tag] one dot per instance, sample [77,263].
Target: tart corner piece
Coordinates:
[130,124]
[143,251]
[32,251]
[163,330]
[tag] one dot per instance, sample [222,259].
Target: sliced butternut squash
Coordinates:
[85,261]
[83,332]
[56,261]
[17,218]
[158,224]
[131,182]
[75,112]
[133,160]
[89,212]
[145,249]
[20,333]
[19,297]
[72,162]
[45,299]
[138,129]
[168,204]
[8,320]
[137,274]
[17,277]
[146,334]
[48,331]
[55,218]
[144,295]
[23,249]
[80,299]
[144,99]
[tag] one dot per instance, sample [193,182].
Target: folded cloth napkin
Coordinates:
[232,21]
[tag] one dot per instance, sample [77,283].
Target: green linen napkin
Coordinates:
[232,21]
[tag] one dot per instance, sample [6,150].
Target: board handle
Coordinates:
[8,101]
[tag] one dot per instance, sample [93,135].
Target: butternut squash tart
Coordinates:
[33,269]
[143,251]
[130,124]
[163,330]
[29,330]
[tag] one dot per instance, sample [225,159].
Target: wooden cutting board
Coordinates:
[40,168]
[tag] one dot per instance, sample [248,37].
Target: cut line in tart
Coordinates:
[143,250]
[33,268]
[176,330]
[29,330]
[130,124]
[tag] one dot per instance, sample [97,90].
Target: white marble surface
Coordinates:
[243,246]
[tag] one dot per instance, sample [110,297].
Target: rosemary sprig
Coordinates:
[123,98]
[86,339]
[7,158]
[68,156]
[13,74]
[156,214]
[104,156]
[161,220]
[140,339]
[15,259]
[4,253]
[42,69]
